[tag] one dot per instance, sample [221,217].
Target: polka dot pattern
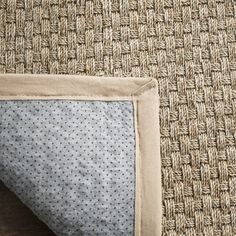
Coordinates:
[72,163]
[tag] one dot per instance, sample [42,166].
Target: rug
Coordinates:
[82,152]
[188,46]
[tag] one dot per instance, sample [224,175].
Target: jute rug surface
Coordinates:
[189,46]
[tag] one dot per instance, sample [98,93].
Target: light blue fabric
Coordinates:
[72,163]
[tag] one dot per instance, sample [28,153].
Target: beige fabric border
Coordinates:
[67,87]
[143,93]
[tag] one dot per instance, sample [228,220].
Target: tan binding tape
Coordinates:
[143,93]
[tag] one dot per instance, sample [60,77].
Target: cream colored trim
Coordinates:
[148,163]
[66,86]
[143,93]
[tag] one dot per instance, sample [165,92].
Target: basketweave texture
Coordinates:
[189,46]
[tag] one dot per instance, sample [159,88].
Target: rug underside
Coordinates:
[72,163]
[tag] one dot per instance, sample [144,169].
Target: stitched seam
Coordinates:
[144,88]
[65,96]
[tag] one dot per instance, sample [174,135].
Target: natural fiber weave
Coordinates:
[189,46]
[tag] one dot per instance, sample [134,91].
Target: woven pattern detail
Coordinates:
[189,46]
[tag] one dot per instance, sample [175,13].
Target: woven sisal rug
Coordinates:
[189,46]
